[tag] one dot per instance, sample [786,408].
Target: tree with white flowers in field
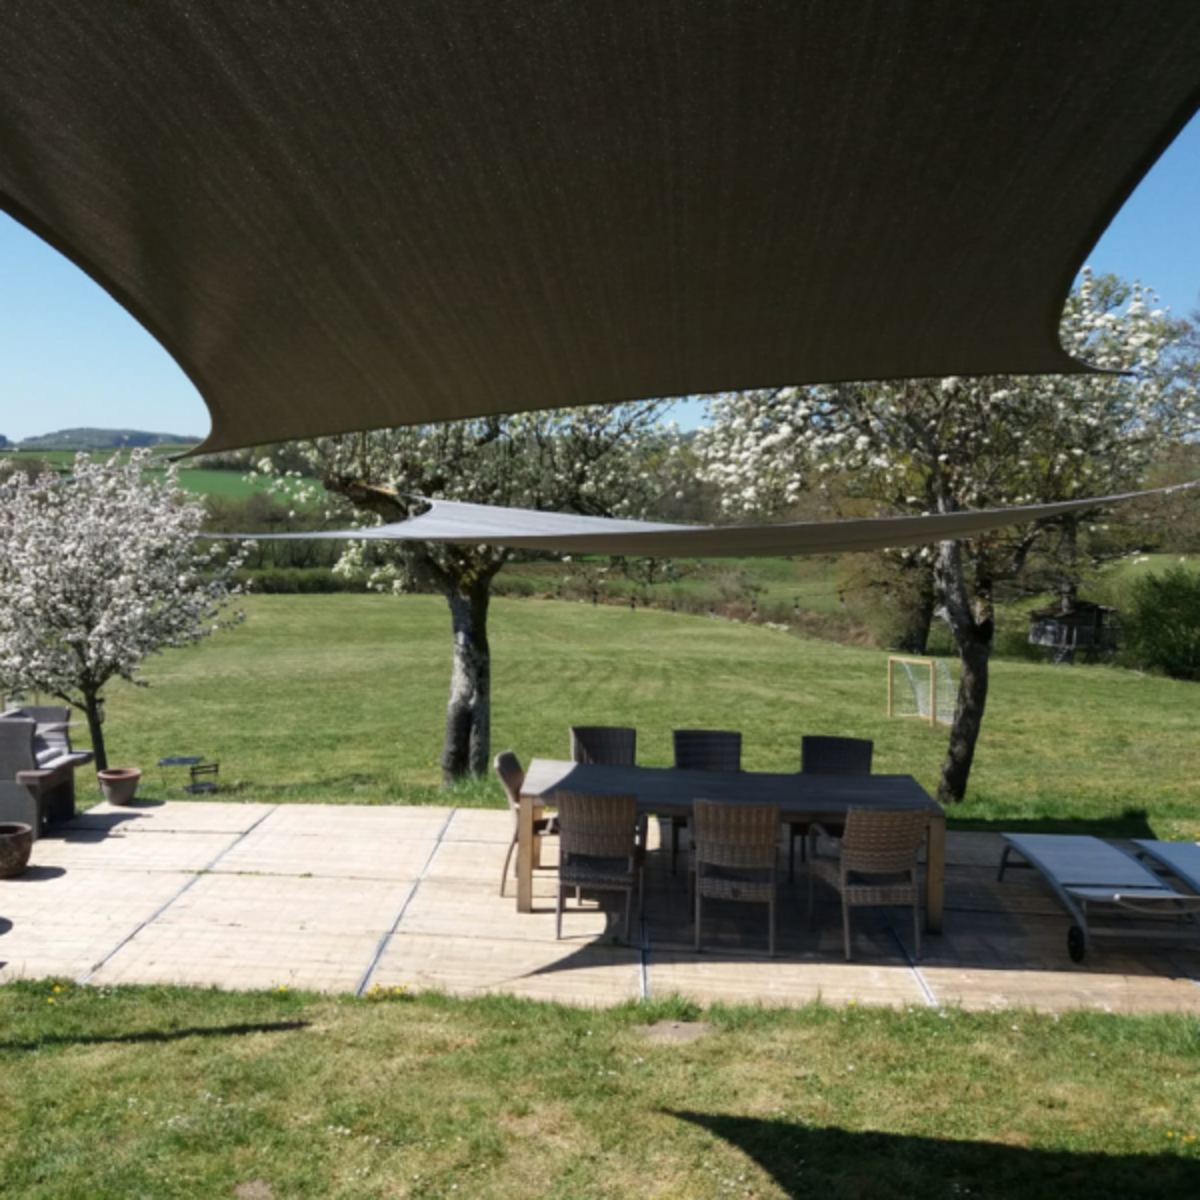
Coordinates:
[99,571]
[603,460]
[940,445]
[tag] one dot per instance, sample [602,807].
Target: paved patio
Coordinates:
[344,898]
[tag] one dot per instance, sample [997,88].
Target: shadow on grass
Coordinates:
[150,1036]
[1132,823]
[806,1160]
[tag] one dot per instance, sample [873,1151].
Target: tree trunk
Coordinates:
[968,717]
[469,712]
[918,616]
[973,628]
[91,706]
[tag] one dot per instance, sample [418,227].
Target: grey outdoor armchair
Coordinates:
[821,755]
[875,863]
[600,845]
[702,750]
[734,848]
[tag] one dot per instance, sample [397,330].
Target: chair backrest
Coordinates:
[508,767]
[16,746]
[836,755]
[596,826]
[610,745]
[735,835]
[707,750]
[53,726]
[882,841]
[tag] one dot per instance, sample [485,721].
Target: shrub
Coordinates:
[1162,624]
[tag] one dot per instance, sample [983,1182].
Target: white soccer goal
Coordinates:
[921,687]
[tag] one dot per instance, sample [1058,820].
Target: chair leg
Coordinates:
[697,920]
[771,928]
[558,914]
[811,883]
[917,930]
[507,860]
[846,926]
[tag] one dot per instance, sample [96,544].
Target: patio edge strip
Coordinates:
[385,941]
[162,908]
[931,999]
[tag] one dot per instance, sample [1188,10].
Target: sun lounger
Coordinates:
[1181,859]
[1084,871]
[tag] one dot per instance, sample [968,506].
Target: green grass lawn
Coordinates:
[165,1092]
[341,699]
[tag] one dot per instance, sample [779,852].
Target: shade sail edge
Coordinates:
[523,529]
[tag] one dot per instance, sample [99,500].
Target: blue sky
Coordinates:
[70,356]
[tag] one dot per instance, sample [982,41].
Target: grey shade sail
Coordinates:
[564,533]
[366,213]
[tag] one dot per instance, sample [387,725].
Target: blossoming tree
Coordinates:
[939,445]
[99,571]
[597,461]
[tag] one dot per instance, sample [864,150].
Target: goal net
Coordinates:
[921,687]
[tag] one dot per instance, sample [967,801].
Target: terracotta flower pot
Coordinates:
[119,784]
[16,840]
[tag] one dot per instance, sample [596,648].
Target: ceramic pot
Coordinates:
[16,840]
[119,784]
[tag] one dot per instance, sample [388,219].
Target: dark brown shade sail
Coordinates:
[566,533]
[359,213]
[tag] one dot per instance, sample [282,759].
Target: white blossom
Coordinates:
[100,571]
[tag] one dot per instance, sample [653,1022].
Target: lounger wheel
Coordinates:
[1076,944]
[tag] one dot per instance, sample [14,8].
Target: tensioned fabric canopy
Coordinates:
[565,533]
[360,213]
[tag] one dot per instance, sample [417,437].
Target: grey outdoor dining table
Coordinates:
[669,791]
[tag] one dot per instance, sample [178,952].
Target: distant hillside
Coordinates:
[103,439]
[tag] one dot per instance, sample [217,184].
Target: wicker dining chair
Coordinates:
[600,848]
[702,750]
[876,863]
[707,750]
[734,850]
[821,755]
[508,767]
[608,745]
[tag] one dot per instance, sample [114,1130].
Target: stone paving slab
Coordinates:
[155,816]
[475,912]
[94,849]
[383,821]
[480,825]
[1062,989]
[289,905]
[570,972]
[186,954]
[338,855]
[733,979]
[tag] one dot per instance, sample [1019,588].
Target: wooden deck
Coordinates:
[345,898]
